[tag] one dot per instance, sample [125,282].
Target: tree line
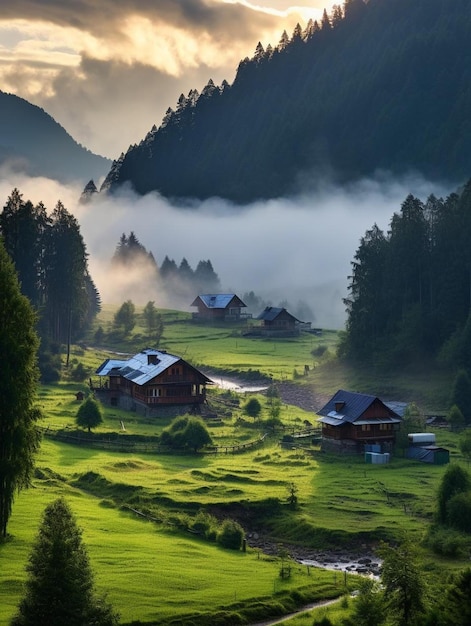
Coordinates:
[178,281]
[377,85]
[51,261]
[410,287]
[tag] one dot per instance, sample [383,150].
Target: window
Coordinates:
[366,427]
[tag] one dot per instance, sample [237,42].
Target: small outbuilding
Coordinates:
[436,455]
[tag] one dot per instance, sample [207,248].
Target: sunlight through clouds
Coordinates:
[100,67]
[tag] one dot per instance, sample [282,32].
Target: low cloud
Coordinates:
[292,249]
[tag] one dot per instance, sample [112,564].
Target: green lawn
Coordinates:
[153,571]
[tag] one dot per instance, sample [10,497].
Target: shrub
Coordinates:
[459,511]
[78,373]
[446,542]
[230,535]
[253,408]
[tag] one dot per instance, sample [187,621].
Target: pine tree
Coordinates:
[19,436]
[24,229]
[60,587]
[66,271]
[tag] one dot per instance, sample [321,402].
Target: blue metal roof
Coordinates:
[349,406]
[140,368]
[217,300]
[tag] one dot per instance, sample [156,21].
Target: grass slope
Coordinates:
[155,571]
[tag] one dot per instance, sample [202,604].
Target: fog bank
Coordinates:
[288,249]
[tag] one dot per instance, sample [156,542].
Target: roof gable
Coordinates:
[142,367]
[218,300]
[270,313]
[349,407]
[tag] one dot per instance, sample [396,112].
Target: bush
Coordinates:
[230,535]
[446,542]
[79,373]
[253,408]
[459,511]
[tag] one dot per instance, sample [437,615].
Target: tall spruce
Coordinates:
[67,277]
[19,435]
[410,290]
[24,227]
[60,586]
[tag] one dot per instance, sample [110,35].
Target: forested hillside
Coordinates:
[30,140]
[377,85]
[410,288]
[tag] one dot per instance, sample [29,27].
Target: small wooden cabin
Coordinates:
[353,421]
[278,320]
[152,379]
[219,306]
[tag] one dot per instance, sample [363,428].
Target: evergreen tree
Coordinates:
[455,418]
[153,321]
[19,436]
[461,394]
[125,316]
[60,586]
[168,270]
[458,600]
[403,583]
[253,408]
[66,275]
[90,414]
[366,306]
[24,228]
[455,480]
[207,281]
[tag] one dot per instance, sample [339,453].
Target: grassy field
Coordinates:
[156,571]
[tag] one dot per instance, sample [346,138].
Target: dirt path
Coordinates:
[301,396]
[304,609]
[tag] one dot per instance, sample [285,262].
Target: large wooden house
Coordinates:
[151,381]
[353,421]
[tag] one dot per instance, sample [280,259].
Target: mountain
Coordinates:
[32,141]
[383,85]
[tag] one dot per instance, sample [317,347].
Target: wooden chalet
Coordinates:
[353,421]
[277,320]
[151,380]
[219,306]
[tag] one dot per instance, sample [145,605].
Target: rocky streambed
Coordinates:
[361,562]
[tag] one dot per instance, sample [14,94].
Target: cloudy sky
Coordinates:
[108,70]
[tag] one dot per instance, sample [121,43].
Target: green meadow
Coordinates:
[137,510]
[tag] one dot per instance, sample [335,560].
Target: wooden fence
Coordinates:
[126,444]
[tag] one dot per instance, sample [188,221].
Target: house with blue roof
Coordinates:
[277,321]
[219,306]
[353,422]
[151,381]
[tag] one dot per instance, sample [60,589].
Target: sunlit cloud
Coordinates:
[108,71]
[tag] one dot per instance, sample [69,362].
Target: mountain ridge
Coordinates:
[377,86]
[33,142]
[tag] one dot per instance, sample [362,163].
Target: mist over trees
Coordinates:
[180,282]
[410,288]
[375,86]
